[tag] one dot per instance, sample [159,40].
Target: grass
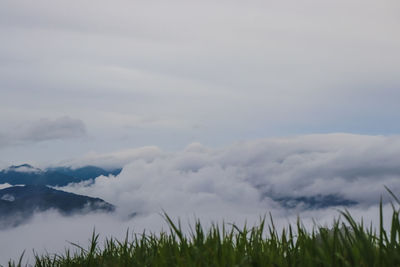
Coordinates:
[347,243]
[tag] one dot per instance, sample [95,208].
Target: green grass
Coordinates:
[347,243]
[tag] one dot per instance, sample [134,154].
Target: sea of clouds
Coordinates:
[234,184]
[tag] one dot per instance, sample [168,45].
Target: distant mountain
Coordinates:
[18,203]
[24,168]
[85,173]
[28,175]
[315,202]
[58,176]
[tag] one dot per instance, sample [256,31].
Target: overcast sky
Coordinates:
[81,77]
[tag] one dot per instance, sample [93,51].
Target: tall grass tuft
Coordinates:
[347,243]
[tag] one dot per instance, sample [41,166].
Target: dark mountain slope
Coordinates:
[315,202]
[18,203]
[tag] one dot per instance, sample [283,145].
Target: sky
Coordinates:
[213,108]
[80,77]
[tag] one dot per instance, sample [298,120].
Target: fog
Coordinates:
[50,232]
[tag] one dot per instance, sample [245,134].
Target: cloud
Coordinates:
[115,159]
[351,166]
[44,130]
[239,70]
[44,236]
[60,128]
[235,183]
[2,186]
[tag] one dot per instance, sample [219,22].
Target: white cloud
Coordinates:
[115,159]
[2,186]
[232,183]
[352,166]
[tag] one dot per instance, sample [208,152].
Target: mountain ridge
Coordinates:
[26,174]
[19,203]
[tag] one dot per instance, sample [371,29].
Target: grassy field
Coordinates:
[347,243]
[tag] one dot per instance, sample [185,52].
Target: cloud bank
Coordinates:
[236,183]
[352,166]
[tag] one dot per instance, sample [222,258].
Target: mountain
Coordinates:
[24,168]
[18,203]
[58,176]
[86,172]
[28,175]
[315,202]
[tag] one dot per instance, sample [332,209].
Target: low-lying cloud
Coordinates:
[251,173]
[237,183]
[116,159]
